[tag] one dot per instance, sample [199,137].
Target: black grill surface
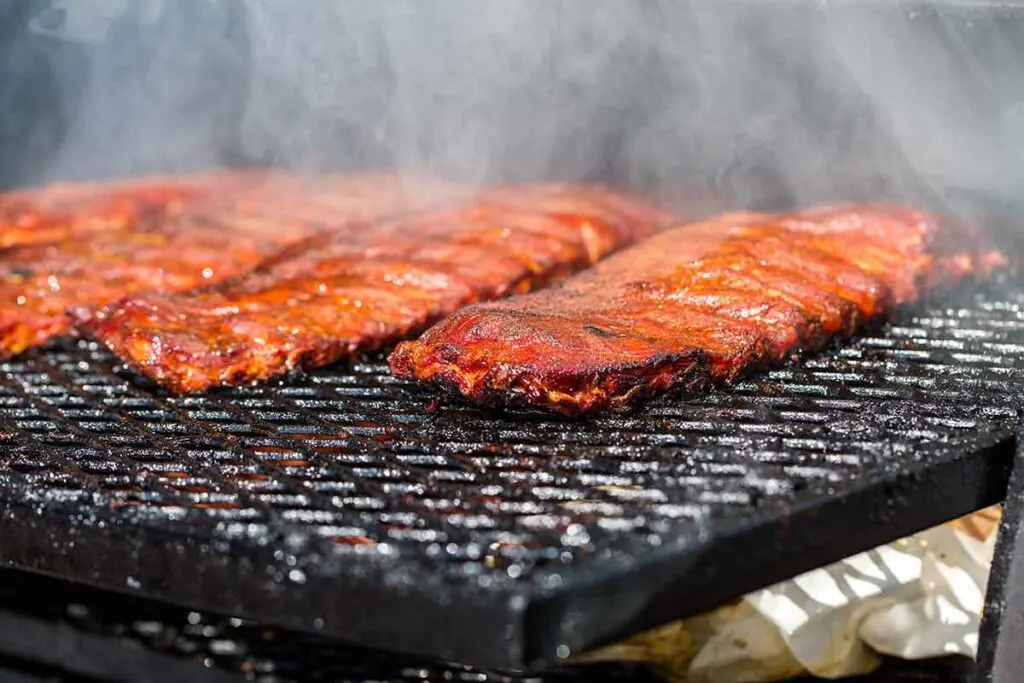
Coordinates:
[352,505]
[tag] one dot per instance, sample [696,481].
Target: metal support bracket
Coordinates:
[1001,637]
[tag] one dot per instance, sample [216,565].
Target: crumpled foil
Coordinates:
[918,598]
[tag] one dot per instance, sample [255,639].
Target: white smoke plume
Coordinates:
[749,101]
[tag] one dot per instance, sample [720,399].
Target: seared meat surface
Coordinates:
[57,213]
[338,293]
[239,221]
[693,306]
[38,284]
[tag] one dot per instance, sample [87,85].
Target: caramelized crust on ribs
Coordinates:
[242,219]
[694,305]
[59,212]
[338,294]
[38,284]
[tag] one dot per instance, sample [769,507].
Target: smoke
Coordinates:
[745,101]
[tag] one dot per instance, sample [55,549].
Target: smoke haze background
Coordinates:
[747,101]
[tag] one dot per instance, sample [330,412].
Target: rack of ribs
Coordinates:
[694,306]
[340,293]
[228,225]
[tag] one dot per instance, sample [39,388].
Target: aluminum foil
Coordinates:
[918,598]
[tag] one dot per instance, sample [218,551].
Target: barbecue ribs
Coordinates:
[338,294]
[694,305]
[231,223]
[59,212]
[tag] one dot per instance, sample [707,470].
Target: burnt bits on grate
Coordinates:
[287,498]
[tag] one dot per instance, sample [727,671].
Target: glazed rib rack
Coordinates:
[345,501]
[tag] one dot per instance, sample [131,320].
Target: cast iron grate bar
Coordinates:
[345,500]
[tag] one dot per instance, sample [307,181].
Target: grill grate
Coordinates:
[346,501]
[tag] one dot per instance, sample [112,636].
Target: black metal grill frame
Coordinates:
[54,631]
[515,540]
[48,625]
